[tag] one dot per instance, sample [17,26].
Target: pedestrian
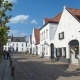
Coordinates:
[8,55]
[4,54]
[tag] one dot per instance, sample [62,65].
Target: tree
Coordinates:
[4,18]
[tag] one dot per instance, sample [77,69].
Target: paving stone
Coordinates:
[29,67]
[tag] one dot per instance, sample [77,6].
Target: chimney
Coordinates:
[12,36]
[25,37]
[64,7]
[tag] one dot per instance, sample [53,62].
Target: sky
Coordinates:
[29,14]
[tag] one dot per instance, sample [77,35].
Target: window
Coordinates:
[64,52]
[46,34]
[42,36]
[46,50]
[17,44]
[22,45]
[13,44]
[61,35]
[17,40]
[76,52]
[8,44]
[22,49]
[5,48]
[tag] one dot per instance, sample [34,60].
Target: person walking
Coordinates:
[4,54]
[8,55]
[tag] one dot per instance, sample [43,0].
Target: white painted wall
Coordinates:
[51,27]
[33,43]
[71,27]
[20,47]
[38,46]
[29,45]
[10,44]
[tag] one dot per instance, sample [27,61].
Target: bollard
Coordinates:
[12,71]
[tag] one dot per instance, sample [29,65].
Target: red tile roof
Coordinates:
[37,35]
[47,19]
[74,12]
[57,18]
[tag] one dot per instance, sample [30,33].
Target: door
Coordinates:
[52,50]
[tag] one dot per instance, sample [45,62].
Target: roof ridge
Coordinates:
[72,8]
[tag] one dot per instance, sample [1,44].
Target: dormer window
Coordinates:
[17,40]
[61,35]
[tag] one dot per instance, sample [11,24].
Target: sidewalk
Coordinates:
[5,70]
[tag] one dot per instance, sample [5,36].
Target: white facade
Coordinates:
[33,43]
[38,49]
[18,46]
[29,44]
[15,46]
[70,27]
[46,38]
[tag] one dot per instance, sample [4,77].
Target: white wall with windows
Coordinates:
[33,43]
[18,46]
[68,29]
[15,46]
[46,36]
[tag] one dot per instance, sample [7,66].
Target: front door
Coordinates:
[74,51]
[52,51]
[16,49]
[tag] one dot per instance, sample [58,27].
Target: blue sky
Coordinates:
[29,14]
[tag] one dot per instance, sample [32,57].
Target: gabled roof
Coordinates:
[74,12]
[37,35]
[18,39]
[53,20]
[47,19]
[57,18]
[9,37]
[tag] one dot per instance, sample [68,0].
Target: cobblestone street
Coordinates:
[30,67]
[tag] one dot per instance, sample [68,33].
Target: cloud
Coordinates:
[34,22]
[17,33]
[19,19]
[12,1]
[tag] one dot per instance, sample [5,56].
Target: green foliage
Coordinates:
[3,34]
[4,18]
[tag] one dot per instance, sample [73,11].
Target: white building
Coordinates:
[35,41]
[47,32]
[16,44]
[29,44]
[67,36]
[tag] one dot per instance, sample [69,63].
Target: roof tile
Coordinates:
[37,35]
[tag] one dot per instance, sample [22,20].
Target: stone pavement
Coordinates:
[30,67]
[5,70]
